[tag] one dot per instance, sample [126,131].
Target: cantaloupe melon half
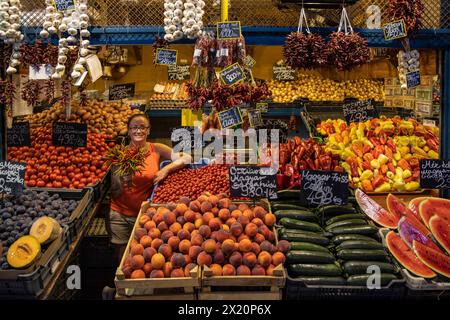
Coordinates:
[23,252]
[45,230]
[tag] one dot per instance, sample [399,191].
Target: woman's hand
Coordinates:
[160,175]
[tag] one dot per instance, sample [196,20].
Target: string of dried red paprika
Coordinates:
[410,11]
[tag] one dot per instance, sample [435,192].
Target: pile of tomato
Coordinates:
[62,167]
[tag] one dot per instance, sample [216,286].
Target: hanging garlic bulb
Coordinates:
[172,19]
[10,31]
[81,22]
[193,18]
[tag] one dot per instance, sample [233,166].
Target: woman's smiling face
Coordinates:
[138,130]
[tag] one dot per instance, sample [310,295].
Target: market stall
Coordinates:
[318,137]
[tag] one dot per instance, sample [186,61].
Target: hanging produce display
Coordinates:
[183,18]
[10,31]
[410,11]
[81,22]
[407,62]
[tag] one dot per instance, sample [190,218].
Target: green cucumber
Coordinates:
[332,270]
[362,255]
[286,206]
[360,267]
[290,230]
[324,281]
[345,217]
[301,225]
[363,230]
[332,210]
[361,280]
[288,194]
[344,223]
[304,236]
[297,214]
[308,247]
[348,237]
[359,244]
[301,256]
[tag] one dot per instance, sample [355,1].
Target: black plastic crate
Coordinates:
[30,285]
[101,187]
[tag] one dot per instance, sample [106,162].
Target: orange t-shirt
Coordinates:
[130,200]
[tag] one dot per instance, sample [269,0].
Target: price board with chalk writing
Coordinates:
[230,118]
[324,187]
[359,111]
[64,5]
[255,118]
[249,61]
[284,73]
[19,135]
[395,30]
[176,72]
[232,74]
[230,30]
[262,106]
[413,79]
[69,134]
[434,174]
[12,177]
[166,56]
[121,91]
[253,182]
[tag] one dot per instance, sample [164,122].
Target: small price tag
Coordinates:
[359,111]
[255,118]
[12,176]
[166,57]
[253,182]
[324,187]
[232,74]
[284,73]
[176,72]
[19,135]
[230,30]
[262,107]
[395,30]
[413,79]
[121,91]
[434,174]
[230,118]
[69,134]
[64,5]
[249,61]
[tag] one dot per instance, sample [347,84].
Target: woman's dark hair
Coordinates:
[138,115]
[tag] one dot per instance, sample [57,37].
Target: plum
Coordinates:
[6,215]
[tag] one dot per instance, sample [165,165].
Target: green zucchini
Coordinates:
[361,280]
[360,267]
[349,237]
[363,230]
[290,230]
[287,206]
[325,281]
[301,256]
[332,210]
[343,223]
[345,217]
[304,236]
[332,270]
[301,225]
[297,214]
[362,255]
[288,194]
[359,244]
[308,247]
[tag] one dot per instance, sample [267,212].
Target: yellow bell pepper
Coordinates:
[406,174]
[375,164]
[398,185]
[419,151]
[412,186]
[385,187]
[433,154]
[397,156]
[382,159]
[366,175]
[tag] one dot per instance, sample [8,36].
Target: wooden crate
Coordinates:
[183,288]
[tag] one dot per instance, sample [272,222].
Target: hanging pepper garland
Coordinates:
[7,92]
[159,43]
[410,11]
[32,90]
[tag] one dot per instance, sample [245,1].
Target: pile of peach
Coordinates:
[231,239]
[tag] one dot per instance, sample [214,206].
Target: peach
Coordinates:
[150,225]
[147,268]
[264,259]
[243,206]
[205,231]
[207,217]
[259,212]
[148,254]
[225,227]
[222,235]
[236,259]
[188,269]
[138,274]
[202,198]
[194,251]
[269,270]
[169,218]
[177,273]
[166,235]
[157,218]
[214,224]
[258,270]
[139,233]
[214,235]
[150,211]
[256,249]
[184,235]
[243,271]
[161,210]
[224,214]
[198,223]
[228,270]
[248,214]
[195,206]
[264,230]
[189,215]
[184,200]
[230,221]
[218,256]
[278,258]
[206,206]
[171,206]
[251,229]
[189,227]
[216,270]
[224,203]
[156,243]
[214,200]
[193,233]
[197,240]
[184,246]
[146,241]
[258,222]
[236,214]
[181,220]
[242,237]
[143,220]
[198,215]
[270,219]
[215,211]
[180,209]
[127,261]
[259,238]
[154,233]
[134,242]
[187,259]
[137,249]
[127,271]
[157,274]
[245,245]
[165,250]
[228,247]
[250,259]
[232,207]
[209,246]
[243,220]
[175,227]
[137,262]
[173,242]
[284,246]
[271,237]
[162,226]
[236,229]
[204,259]
[158,261]
[167,269]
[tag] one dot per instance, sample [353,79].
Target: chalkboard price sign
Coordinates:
[166,57]
[12,176]
[395,30]
[434,174]
[230,30]
[176,72]
[64,5]
[359,111]
[19,135]
[230,118]
[253,182]
[69,134]
[255,118]
[121,91]
[413,79]
[249,61]
[324,187]
[232,75]
[284,73]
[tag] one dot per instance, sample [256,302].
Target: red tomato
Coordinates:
[66,182]
[49,185]
[70,175]
[75,184]
[57,184]
[59,178]
[31,183]
[77,170]
[40,184]
[52,177]
[83,181]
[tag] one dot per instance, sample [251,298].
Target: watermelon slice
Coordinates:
[434,206]
[441,231]
[376,212]
[435,260]
[413,205]
[398,208]
[406,257]
[409,232]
